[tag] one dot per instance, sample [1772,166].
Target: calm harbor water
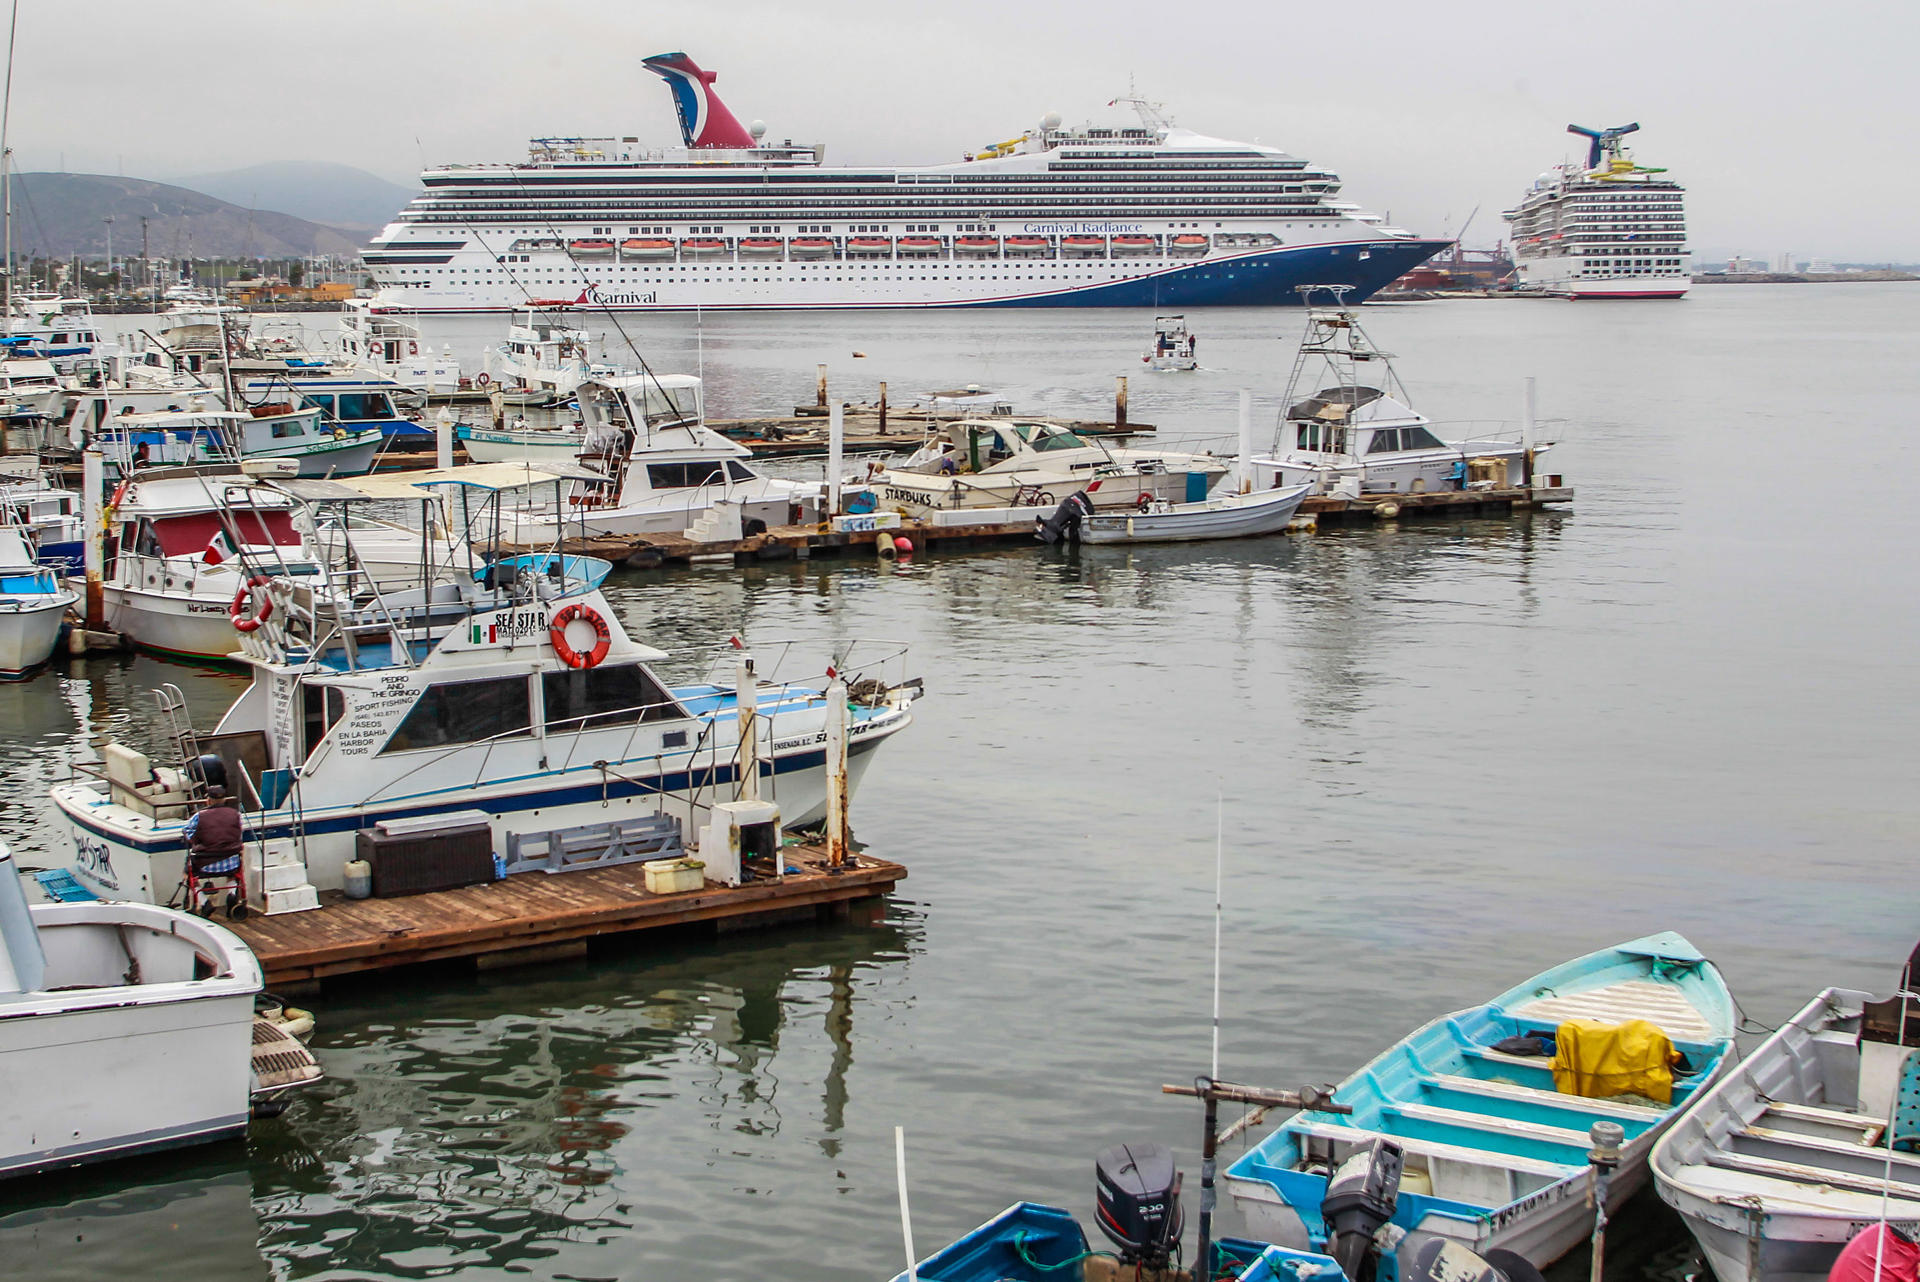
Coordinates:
[1444,755]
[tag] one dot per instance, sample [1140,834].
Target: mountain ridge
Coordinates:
[63,214]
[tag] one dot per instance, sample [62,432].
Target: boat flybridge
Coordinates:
[1356,432]
[543,354]
[392,348]
[500,694]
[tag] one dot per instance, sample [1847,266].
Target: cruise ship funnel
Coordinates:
[704,119]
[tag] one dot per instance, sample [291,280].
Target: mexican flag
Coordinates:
[219,548]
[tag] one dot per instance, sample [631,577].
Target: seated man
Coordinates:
[215,835]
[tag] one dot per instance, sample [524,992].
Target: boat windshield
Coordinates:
[191,534]
[348,407]
[671,402]
[1041,437]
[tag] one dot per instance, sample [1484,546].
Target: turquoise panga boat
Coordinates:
[1493,1114]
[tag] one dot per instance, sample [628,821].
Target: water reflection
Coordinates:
[173,1218]
[504,1121]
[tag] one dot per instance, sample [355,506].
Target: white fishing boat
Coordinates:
[50,516]
[1174,345]
[127,1028]
[30,389]
[658,469]
[1356,430]
[543,354]
[1005,463]
[200,436]
[33,606]
[382,343]
[1780,1165]
[1225,516]
[497,708]
[520,439]
[186,542]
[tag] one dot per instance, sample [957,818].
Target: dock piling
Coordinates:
[836,774]
[1120,402]
[1526,434]
[836,446]
[93,479]
[1243,465]
[443,438]
[883,408]
[820,386]
[746,695]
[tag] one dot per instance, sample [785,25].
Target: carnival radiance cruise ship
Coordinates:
[1127,217]
[1606,229]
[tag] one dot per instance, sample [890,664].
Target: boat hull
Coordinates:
[110,1071]
[29,633]
[1236,516]
[144,862]
[486,446]
[192,627]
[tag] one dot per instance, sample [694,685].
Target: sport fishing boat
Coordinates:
[1174,345]
[185,543]
[507,696]
[542,355]
[1777,1167]
[30,389]
[351,400]
[657,469]
[1117,215]
[1008,463]
[128,1028]
[1356,430]
[1608,228]
[200,436]
[1491,1108]
[33,606]
[50,516]
[383,344]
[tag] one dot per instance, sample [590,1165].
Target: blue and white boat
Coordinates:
[353,401]
[506,693]
[33,606]
[50,516]
[1495,1155]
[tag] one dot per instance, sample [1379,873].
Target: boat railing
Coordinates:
[853,660]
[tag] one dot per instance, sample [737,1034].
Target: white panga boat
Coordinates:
[126,1028]
[1012,462]
[506,704]
[1495,1142]
[1174,345]
[187,540]
[1225,516]
[1356,430]
[33,606]
[1780,1165]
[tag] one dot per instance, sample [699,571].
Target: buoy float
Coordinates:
[859,356]
[903,545]
[1386,511]
[884,547]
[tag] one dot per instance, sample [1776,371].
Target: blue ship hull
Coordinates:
[1255,280]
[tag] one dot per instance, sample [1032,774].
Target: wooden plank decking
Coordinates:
[533,911]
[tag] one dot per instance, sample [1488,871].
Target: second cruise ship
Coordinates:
[1147,216]
[1607,229]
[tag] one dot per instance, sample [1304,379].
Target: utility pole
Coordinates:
[146,263]
[108,220]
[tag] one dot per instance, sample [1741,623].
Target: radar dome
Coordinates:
[1050,121]
[758,129]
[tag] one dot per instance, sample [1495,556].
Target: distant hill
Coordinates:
[63,214]
[339,195]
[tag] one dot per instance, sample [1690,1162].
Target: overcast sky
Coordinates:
[1789,125]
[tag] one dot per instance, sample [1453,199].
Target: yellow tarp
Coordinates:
[1599,1060]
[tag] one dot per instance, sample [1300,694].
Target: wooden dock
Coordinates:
[806,542]
[532,917]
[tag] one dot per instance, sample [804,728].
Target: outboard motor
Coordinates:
[1139,1202]
[1359,1199]
[1064,525]
[1441,1259]
[209,770]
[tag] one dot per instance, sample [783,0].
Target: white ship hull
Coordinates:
[1563,276]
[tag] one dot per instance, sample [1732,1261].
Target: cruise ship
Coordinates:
[1147,216]
[1607,229]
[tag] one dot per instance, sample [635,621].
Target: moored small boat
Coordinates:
[128,1028]
[1228,516]
[762,247]
[33,606]
[810,247]
[1495,1141]
[1776,1168]
[590,248]
[646,249]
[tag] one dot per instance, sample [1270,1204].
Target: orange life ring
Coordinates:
[1144,502]
[237,611]
[483,380]
[557,636]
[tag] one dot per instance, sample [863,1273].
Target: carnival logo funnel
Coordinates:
[704,119]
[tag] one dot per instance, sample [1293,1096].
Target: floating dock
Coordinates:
[806,542]
[536,917]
